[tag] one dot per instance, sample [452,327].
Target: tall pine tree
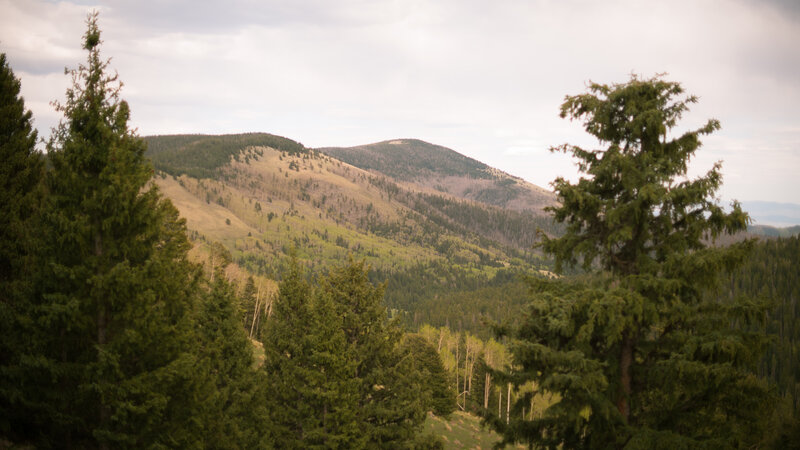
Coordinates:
[637,353]
[21,171]
[310,394]
[234,414]
[390,411]
[114,314]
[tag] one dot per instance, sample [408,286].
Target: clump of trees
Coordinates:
[112,338]
[339,375]
[637,353]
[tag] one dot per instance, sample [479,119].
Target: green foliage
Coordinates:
[21,170]
[310,390]
[200,155]
[337,376]
[636,353]
[408,159]
[389,411]
[110,358]
[234,412]
[771,272]
[433,378]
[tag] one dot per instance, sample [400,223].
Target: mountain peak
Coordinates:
[443,169]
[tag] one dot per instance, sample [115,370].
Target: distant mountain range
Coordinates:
[773,213]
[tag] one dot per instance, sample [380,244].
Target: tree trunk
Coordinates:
[466,374]
[508,404]
[499,402]
[625,360]
[255,311]
[486,391]
[457,391]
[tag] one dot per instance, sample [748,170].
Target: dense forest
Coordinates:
[243,291]
[770,273]
[113,338]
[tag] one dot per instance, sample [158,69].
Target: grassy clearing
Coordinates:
[463,430]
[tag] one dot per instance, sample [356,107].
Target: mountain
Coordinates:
[260,195]
[442,169]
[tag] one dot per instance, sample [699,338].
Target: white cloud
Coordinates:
[485,79]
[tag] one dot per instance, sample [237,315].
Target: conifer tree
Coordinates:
[390,411]
[310,393]
[234,413]
[21,171]
[433,377]
[637,352]
[117,295]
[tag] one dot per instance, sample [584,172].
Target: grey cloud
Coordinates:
[205,16]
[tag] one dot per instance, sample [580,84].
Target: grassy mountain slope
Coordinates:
[442,169]
[427,245]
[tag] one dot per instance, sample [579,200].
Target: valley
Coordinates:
[261,196]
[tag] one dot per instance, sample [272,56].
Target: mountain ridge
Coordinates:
[424,243]
[443,169]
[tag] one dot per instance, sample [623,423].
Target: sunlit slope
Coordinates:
[445,170]
[262,202]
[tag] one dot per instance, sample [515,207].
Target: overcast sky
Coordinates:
[485,78]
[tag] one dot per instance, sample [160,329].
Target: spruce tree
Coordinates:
[390,411]
[248,306]
[21,171]
[234,415]
[117,295]
[433,378]
[310,392]
[637,352]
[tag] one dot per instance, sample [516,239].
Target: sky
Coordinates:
[483,78]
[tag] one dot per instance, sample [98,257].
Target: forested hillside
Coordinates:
[442,169]
[115,337]
[244,291]
[426,244]
[771,274]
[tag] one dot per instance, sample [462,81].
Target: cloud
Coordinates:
[484,79]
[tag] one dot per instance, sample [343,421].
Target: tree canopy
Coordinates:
[21,172]
[637,354]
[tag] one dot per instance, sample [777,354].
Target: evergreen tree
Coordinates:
[234,411]
[21,171]
[338,390]
[636,352]
[310,395]
[248,303]
[389,409]
[285,350]
[433,377]
[117,296]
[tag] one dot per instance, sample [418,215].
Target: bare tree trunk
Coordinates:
[466,373]
[457,391]
[211,264]
[499,402]
[471,372]
[255,311]
[486,391]
[508,404]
